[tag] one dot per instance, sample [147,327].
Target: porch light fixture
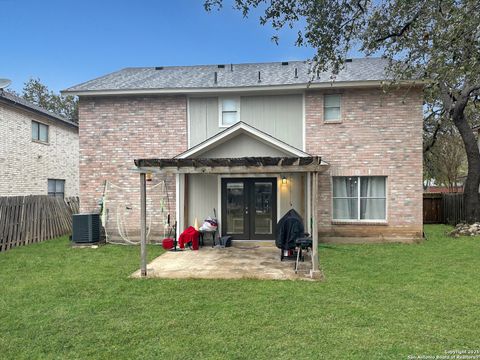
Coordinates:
[149,176]
[284,180]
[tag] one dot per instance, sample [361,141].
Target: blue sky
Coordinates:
[68,42]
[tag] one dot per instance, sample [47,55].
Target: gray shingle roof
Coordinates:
[231,76]
[19,101]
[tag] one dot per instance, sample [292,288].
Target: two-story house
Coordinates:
[38,150]
[245,139]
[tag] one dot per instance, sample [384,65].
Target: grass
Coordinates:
[378,302]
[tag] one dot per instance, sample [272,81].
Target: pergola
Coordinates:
[311,165]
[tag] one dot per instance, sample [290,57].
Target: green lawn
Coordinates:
[378,302]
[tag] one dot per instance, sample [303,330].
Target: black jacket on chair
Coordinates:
[289,228]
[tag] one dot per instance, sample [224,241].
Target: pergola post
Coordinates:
[143,225]
[315,263]
[309,203]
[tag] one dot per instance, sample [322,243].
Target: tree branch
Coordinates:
[435,132]
[469,89]
[402,30]
[359,5]
[446,96]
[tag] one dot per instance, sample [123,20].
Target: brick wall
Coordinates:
[380,134]
[113,132]
[26,165]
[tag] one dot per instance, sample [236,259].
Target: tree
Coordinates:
[433,40]
[446,161]
[39,94]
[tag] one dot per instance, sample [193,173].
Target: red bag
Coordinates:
[167,243]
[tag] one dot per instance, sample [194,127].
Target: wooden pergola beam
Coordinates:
[243,165]
[248,161]
[234,169]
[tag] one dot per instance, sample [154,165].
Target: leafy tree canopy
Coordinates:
[38,93]
[434,39]
[437,41]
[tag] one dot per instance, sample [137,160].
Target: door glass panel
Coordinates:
[235,207]
[263,196]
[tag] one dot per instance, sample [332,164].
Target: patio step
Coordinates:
[253,243]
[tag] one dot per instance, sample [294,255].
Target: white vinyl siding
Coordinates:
[280,116]
[202,197]
[240,146]
[359,198]
[332,108]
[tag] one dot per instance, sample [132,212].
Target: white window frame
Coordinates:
[339,120]
[359,198]
[220,110]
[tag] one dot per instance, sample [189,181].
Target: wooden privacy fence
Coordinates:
[453,209]
[443,208]
[432,208]
[35,218]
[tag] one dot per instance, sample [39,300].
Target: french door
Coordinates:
[249,208]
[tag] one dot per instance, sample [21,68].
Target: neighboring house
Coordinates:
[38,150]
[369,141]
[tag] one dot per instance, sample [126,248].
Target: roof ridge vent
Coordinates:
[221,66]
[158,67]
[348,60]
[284,62]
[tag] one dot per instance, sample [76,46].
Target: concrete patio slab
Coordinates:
[237,262]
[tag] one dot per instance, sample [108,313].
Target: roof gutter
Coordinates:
[33,110]
[216,90]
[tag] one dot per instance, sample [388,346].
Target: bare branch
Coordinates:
[435,132]
[433,140]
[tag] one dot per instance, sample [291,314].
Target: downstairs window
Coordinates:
[56,187]
[359,198]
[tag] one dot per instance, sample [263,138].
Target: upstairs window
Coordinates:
[56,187]
[39,132]
[359,198]
[331,108]
[229,111]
